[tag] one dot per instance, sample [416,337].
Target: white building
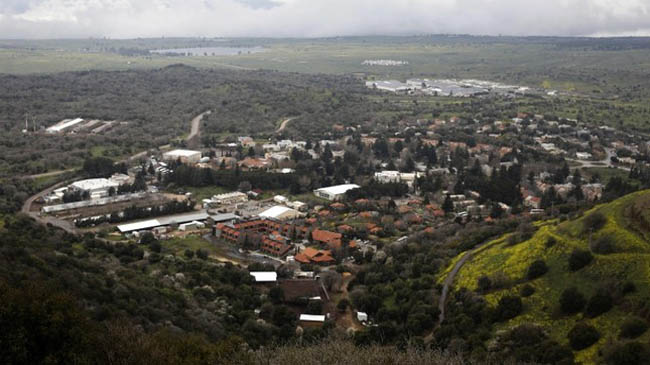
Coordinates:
[191,225]
[280,212]
[230,198]
[583,155]
[362,317]
[280,199]
[264,276]
[63,125]
[336,192]
[96,188]
[389,176]
[389,85]
[185,156]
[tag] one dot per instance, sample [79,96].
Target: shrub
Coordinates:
[600,303]
[572,301]
[593,222]
[536,269]
[550,242]
[631,353]
[604,245]
[189,253]
[342,305]
[484,283]
[582,335]
[202,254]
[633,328]
[508,307]
[628,288]
[527,290]
[579,259]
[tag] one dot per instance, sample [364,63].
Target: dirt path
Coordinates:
[284,123]
[47,174]
[195,130]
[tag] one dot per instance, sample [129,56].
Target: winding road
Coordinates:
[284,123]
[195,130]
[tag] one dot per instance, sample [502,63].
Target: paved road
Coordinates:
[607,162]
[27,209]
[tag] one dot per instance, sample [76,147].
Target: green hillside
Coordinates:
[616,234]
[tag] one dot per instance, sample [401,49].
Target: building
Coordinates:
[63,125]
[176,219]
[583,155]
[390,85]
[389,176]
[280,212]
[191,226]
[331,239]
[230,198]
[336,192]
[185,156]
[264,276]
[95,188]
[362,317]
[313,256]
[312,320]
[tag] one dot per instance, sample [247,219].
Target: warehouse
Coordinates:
[185,156]
[280,212]
[63,125]
[96,188]
[336,192]
[180,219]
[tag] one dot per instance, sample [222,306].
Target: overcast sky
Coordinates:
[317,18]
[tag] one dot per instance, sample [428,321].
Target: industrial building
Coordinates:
[280,212]
[336,192]
[389,176]
[176,219]
[185,156]
[63,125]
[230,198]
[96,188]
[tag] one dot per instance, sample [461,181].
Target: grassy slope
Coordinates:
[632,263]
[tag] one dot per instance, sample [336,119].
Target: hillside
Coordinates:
[616,234]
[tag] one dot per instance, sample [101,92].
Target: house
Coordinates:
[185,156]
[255,163]
[313,256]
[331,239]
[336,192]
[362,317]
[583,155]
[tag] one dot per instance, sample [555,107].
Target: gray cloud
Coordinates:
[315,18]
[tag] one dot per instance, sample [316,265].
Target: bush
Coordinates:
[593,222]
[631,353]
[604,245]
[342,305]
[579,259]
[536,269]
[582,335]
[509,307]
[527,290]
[633,328]
[550,242]
[189,253]
[484,283]
[628,288]
[572,301]
[600,303]
[202,254]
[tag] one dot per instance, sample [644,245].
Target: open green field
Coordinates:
[627,227]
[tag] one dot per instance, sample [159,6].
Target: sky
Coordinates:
[320,18]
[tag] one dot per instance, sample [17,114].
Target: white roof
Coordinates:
[312,318]
[94,184]
[137,226]
[183,153]
[64,124]
[338,189]
[264,276]
[275,212]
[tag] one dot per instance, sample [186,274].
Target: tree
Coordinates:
[572,301]
[628,353]
[582,335]
[448,204]
[536,269]
[276,294]
[579,259]
[598,304]
[508,307]
[633,327]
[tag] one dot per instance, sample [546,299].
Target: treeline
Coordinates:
[185,175]
[134,212]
